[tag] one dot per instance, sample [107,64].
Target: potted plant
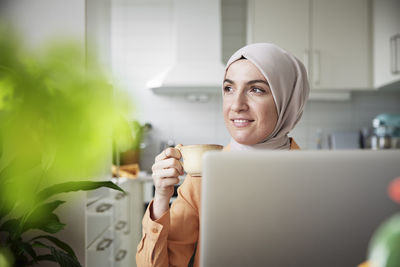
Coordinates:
[57,114]
[136,132]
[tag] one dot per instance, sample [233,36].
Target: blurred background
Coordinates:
[169,54]
[350,49]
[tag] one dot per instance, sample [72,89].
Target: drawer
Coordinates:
[124,256]
[100,253]
[121,201]
[99,217]
[119,228]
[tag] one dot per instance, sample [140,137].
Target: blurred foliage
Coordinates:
[58,114]
[384,248]
[6,258]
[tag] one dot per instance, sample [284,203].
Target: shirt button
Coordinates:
[154,230]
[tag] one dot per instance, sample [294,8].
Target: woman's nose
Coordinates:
[239,103]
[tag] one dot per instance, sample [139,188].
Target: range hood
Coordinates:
[197,48]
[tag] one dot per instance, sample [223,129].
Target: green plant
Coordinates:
[58,112]
[41,217]
[384,246]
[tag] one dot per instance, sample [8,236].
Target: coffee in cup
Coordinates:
[193,157]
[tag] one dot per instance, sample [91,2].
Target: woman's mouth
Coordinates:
[241,122]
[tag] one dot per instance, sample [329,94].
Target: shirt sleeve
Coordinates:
[170,240]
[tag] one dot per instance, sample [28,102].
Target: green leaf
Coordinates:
[43,218]
[7,202]
[58,243]
[27,248]
[46,208]
[75,186]
[10,226]
[64,259]
[39,244]
[51,225]
[47,257]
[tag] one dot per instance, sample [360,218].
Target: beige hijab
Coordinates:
[288,81]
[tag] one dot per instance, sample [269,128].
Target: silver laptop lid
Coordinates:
[296,208]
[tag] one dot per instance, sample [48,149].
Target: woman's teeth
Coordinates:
[241,123]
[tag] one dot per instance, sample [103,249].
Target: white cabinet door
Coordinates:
[332,38]
[282,22]
[386,26]
[341,57]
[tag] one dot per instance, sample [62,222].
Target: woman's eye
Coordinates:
[258,90]
[227,89]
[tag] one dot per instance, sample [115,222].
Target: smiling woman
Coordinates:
[264,92]
[249,109]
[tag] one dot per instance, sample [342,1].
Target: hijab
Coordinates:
[287,79]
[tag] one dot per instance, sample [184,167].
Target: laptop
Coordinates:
[293,208]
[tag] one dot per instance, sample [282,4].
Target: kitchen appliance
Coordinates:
[198,67]
[385,132]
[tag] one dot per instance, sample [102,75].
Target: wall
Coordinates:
[42,20]
[142,47]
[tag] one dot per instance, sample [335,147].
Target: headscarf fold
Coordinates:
[287,78]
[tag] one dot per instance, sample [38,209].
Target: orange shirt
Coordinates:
[172,239]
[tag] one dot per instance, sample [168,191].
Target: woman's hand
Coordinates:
[166,170]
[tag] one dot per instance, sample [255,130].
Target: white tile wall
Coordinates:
[142,47]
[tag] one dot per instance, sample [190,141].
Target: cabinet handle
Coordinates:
[121,255]
[120,225]
[105,243]
[394,54]
[119,196]
[316,67]
[103,207]
[306,57]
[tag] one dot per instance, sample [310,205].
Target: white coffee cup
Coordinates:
[193,156]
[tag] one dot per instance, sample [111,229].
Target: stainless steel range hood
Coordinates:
[197,67]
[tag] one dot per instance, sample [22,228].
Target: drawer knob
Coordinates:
[121,255]
[103,207]
[120,225]
[119,195]
[105,243]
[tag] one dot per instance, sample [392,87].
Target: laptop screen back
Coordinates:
[293,208]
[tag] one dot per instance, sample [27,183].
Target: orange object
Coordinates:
[364,264]
[128,171]
[394,190]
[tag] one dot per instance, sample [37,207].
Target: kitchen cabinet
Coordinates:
[331,38]
[108,224]
[386,42]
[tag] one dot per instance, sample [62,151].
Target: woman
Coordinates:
[264,92]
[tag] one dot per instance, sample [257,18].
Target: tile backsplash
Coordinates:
[142,47]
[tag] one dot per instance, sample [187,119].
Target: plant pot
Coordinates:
[129,157]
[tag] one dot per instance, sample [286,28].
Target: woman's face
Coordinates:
[248,105]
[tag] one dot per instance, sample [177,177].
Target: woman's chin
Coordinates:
[243,140]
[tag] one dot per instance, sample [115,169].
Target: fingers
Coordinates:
[170,152]
[178,146]
[168,163]
[165,178]
[165,173]
[166,182]
[166,170]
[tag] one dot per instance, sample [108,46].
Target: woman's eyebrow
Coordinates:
[228,81]
[258,81]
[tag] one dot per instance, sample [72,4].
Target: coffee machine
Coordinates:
[385,132]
